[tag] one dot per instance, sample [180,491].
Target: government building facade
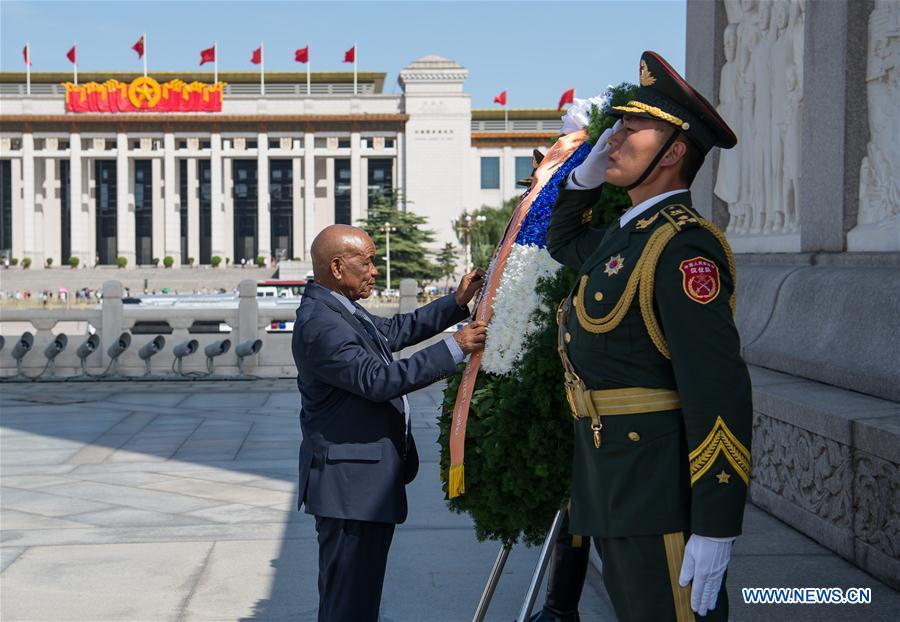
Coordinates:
[172,165]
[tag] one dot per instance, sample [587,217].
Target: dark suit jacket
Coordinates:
[356,456]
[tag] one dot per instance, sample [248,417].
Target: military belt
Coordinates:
[595,403]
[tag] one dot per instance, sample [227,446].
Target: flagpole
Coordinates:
[262,69]
[355,55]
[308,61]
[506,115]
[28,68]
[144,39]
[75,64]
[215,62]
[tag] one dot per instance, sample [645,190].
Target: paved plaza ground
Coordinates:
[176,501]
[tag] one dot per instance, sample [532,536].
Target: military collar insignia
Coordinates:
[647,78]
[646,222]
[614,265]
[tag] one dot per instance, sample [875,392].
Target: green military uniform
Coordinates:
[662,445]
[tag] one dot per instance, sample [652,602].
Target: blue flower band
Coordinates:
[537,220]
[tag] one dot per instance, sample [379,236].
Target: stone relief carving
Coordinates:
[879,186]
[809,470]
[760,96]
[877,490]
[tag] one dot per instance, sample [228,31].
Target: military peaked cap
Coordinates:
[666,96]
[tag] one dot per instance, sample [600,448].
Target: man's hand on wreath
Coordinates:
[469,285]
[592,172]
[470,337]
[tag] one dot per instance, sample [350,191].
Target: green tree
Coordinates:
[488,225]
[446,261]
[409,242]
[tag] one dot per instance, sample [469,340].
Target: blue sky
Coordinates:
[535,50]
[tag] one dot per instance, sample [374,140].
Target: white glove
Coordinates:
[592,172]
[705,561]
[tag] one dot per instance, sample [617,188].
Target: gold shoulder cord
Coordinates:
[641,280]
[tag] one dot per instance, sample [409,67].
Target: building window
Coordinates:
[6,207]
[343,143]
[106,227]
[490,173]
[143,212]
[523,168]
[65,210]
[245,211]
[204,171]
[381,179]
[388,143]
[281,196]
[342,191]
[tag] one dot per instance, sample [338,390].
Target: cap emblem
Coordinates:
[647,78]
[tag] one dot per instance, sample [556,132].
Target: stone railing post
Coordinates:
[408,290]
[248,311]
[110,316]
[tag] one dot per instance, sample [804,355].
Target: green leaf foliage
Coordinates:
[488,225]
[409,242]
[518,458]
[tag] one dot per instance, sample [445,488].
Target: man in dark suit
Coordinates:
[358,453]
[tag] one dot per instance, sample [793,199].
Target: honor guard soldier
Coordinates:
[653,370]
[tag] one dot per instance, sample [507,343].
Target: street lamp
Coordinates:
[387,229]
[466,224]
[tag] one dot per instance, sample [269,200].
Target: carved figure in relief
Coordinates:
[747,36]
[728,179]
[779,58]
[879,188]
[761,164]
[790,177]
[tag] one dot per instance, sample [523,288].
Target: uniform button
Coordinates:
[634,436]
[598,296]
[568,337]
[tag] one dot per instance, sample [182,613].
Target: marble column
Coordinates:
[227,221]
[124,201]
[28,203]
[217,220]
[309,191]
[171,203]
[400,179]
[80,244]
[263,216]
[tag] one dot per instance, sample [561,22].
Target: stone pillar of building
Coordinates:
[435,163]
[309,191]
[78,217]
[263,215]
[160,211]
[218,243]
[89,197]
[355,179]
[124,201]
[835,126]
[28,205]
[49,229]
[193,207]
[362,190]
[171,202]
[400,183]
[298,222]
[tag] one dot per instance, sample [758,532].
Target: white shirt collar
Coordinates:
[643,206]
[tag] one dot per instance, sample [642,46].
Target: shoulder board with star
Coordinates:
[681,216]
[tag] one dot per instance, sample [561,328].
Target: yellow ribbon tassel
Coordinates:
[457,480]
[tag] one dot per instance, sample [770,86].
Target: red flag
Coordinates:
[256,59]
[208,55]
[567,98]
[501,99]
[71,55]
[25,55]
[302,55]
[139,47]
[350,55]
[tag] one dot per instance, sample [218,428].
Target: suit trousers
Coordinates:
[352,561]
[641,577]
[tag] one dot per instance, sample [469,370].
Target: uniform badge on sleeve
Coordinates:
[700,279]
